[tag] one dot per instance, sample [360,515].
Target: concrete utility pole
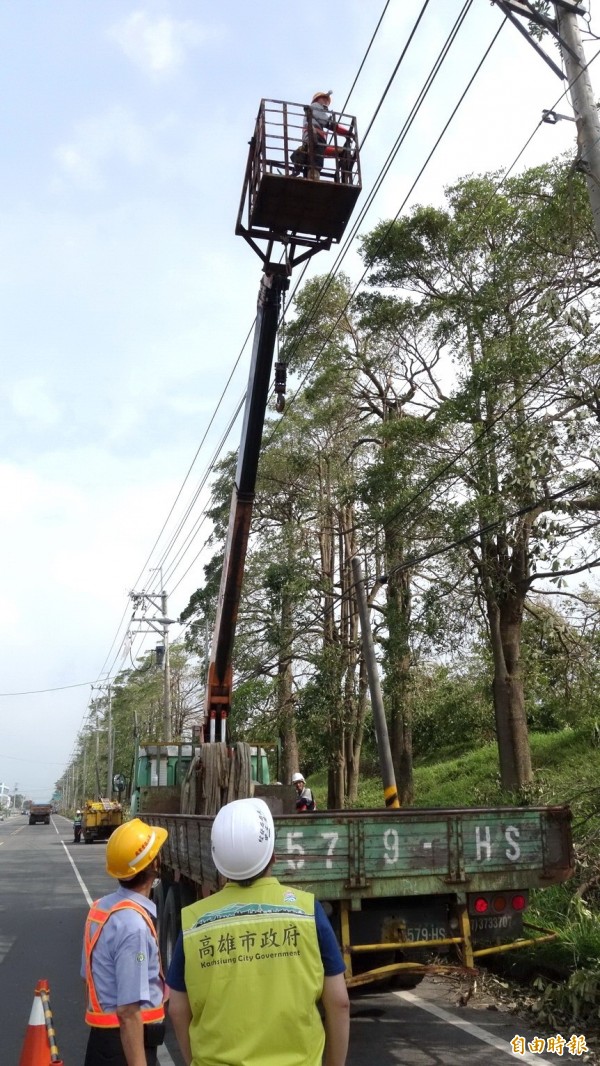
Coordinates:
[110,748]
[390,792]
[159,625]
[584,107]
[166,668]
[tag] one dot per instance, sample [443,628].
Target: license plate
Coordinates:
[426,932]
[491,926]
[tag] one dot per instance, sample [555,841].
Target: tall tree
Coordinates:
[505,275]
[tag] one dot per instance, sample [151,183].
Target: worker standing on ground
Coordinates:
[254,960]
[121,959]
[305,800]
[77,827]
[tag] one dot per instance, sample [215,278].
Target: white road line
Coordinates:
[82,884]
[164,1059]
[6,943]
[474,1030]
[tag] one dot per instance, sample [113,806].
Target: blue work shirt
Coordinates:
[331,956]
[125,960]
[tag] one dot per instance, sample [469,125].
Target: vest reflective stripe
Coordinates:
[254,976]
[111,1021]
[94,1015]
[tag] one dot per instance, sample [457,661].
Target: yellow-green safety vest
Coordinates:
[254,975]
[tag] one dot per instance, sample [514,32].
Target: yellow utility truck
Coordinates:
[100,818]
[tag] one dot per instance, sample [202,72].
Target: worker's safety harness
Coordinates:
[94,1015]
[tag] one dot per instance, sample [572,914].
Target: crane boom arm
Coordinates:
[219,682]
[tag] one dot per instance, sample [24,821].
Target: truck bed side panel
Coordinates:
[373,854]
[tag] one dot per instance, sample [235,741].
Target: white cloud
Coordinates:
[157,46]
[30,401]
[114,135]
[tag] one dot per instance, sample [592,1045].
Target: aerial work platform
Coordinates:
[281,202]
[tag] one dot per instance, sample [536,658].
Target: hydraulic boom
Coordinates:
[219,685]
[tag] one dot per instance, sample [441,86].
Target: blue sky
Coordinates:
[125,297]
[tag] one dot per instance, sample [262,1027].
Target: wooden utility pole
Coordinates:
[584,106]
[390,791]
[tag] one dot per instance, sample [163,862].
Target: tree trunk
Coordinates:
[506,620]
[397,672]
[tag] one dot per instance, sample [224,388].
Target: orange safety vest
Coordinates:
[94,1015]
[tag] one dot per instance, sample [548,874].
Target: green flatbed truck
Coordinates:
[406,890]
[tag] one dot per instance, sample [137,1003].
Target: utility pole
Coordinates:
[110,755]
[565,30]
[158,625]
[584,107]
[83,783]
[166,667]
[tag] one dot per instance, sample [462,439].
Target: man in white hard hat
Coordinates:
[305,800]
[254,960]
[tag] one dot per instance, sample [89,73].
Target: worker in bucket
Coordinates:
[254,960]
[305,800]
[121,960]
[310,156]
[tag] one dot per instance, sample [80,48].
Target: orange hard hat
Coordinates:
[318,96]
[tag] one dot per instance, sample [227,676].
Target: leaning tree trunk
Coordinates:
[330,656]
[505,587]
[286,710]
[397,669]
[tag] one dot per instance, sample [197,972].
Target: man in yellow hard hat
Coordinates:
[255,960]
[121,960]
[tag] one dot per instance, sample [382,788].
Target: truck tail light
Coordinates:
[497,902]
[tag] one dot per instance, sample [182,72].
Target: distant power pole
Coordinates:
[159,625]
[584,106]
[110,749]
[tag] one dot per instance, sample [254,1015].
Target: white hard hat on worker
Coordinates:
[243,839]
[321,96]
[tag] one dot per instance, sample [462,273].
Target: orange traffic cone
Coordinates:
[36,1049]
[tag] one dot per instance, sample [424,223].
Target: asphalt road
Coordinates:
[46,884]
